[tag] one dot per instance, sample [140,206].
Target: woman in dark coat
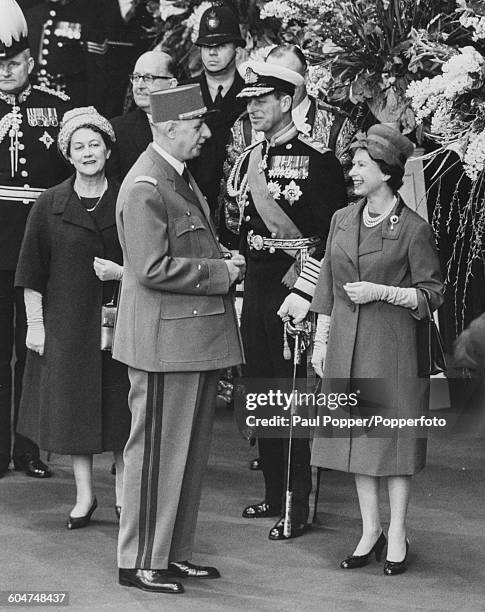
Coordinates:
[380,262]
[75,396]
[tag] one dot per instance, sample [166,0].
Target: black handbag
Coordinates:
[431,357]
[108,320]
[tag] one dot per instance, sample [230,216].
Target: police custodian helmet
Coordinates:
[219,25]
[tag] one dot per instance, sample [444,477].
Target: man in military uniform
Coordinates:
[29,163]
[323,123]
[176,328]
[219,38]
[67,40]
[287,188]
[153,72]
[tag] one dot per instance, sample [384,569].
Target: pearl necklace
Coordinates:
[370,221]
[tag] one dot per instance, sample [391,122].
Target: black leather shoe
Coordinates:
[255,464]
[118,512]
[393,568]
[261,510]
[355,561]
[185,569]
[277,531]
[32,467]
[76,522]
[156,581]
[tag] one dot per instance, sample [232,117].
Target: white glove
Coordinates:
[107,270]
[363,292]
[294,306]
[35,339]
[320,344]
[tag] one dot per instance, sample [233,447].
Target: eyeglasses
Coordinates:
[148,78]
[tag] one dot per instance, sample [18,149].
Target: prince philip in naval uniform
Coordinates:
[287,188]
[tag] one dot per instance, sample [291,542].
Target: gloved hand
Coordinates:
[35,339]
[107,270]
[363,292]
[294,306]
[320,344]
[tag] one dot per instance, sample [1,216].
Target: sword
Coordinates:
[301,332]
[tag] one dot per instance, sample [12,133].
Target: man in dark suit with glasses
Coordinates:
[153,72]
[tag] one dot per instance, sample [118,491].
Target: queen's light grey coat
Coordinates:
[376,340]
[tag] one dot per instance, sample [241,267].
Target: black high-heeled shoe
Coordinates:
[76,522]
[393,568]
[355,561]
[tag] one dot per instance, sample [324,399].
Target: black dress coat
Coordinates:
[67,42]
[75,398]
[133,135]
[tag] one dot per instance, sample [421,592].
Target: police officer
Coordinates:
[219,38]
[287,188]
[29,163]
[67,40]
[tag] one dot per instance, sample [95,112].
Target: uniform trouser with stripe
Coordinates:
[165,459]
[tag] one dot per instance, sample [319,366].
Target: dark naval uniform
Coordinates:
[326,125]
[67,41]
[307,183]
[29,163]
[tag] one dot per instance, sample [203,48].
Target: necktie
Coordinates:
[185,176]
[218,99]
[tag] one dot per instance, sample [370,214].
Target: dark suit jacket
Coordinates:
[133,135]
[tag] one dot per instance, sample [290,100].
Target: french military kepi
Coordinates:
[13,30]
[261,79]
[178,104]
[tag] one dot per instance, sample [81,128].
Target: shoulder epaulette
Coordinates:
[53,92]
[314,144]
[146,179]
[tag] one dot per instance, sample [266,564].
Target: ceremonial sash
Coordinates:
[273,216]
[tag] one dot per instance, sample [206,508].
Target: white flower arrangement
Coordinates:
[280,9]
[470,20]
[474,158]
[433,98]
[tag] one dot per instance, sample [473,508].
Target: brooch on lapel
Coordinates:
[274,189]
[292,193]
[46,139]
